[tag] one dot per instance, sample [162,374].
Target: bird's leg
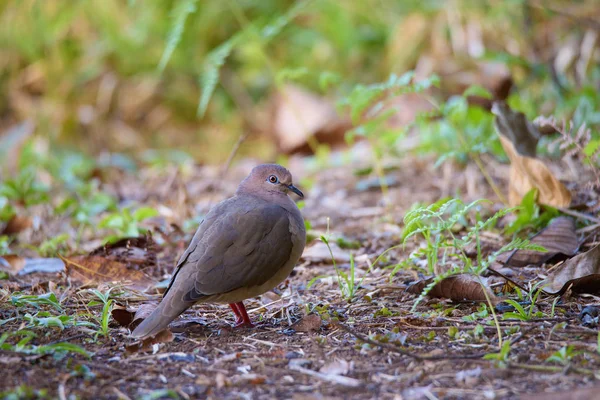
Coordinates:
[238,317]
[245,319]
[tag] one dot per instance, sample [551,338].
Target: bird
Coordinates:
[245,246]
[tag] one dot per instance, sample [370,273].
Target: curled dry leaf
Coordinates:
[164,336]
[519,138]
[309,323]
[458,288]
[131,318]
[91,270]
[580,274]
[139,250]
[558,238]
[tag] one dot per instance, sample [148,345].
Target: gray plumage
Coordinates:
[245,246]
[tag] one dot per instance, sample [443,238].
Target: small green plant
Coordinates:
[530,215]
[436,224]
[482,312]
[24,188]
[127,223]
[4,244]
[21,300]
[52,246]
[564,355]
[520,313]
[500,358]
[104,319]
[346,281]
[58,350]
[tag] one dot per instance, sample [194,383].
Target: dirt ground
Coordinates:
[309,342]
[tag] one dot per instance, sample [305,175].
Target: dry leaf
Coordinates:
[581,274]
[16,224]
[457,288]
[298,115]
[17,265]
[319,252]
[309,323]
[558,238]
[164,336]
[336,367]
[526,172]
[131,318]
[90,270]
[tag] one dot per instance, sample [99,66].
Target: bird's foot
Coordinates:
[242,319]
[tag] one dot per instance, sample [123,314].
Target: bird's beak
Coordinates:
[296,190]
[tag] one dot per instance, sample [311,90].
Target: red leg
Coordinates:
[238,317]
[245,319]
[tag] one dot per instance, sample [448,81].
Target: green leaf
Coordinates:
[143,213]
[476,90]
[180,13]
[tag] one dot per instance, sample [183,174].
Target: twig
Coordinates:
[550,368]
[400,350]
[579,215]
[340,380]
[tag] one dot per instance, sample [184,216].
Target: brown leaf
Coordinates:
[139,250]
[518,137]
[17,224]
[11,263]
[89,270]
[558,238]
[299,115]
[131,318]
[309,323]
[581,274]
[457,288]
[164,336]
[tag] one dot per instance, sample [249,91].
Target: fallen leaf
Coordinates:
[17,224]
[89,270]
[12,263]
[319,252]
[139,250]
[309,323]
[580,274]
[526,172]
[457,288]
[298,115]
[164,336]
[336,367]
[558,238]
[131,318]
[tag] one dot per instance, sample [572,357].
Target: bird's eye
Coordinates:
[273,179]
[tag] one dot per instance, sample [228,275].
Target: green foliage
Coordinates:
[58,350]
[500,358]
[563,356]
[44,319]
[53,246]
[24,392]
[104,319]
[127,223]
[529,214]
[435,225]
[23,300]
[24,188]
[346,281]
[459,131]
[4,244]
[216,58]
[180,14]
[482,312]
[520,312]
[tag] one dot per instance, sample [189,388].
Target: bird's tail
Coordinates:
[161,317]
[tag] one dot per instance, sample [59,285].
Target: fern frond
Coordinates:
[180,13]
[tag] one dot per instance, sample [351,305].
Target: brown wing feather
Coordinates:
[244,250]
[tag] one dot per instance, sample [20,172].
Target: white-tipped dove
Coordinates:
[246,245]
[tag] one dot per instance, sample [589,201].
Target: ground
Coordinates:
[309,341]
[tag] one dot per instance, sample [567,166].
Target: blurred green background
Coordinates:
[127,76]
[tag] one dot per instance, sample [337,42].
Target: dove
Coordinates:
[247,245]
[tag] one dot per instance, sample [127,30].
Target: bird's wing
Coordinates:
[235,250]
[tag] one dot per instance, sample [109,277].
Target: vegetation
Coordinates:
[430,234]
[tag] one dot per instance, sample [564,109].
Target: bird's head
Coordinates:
[269,178]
